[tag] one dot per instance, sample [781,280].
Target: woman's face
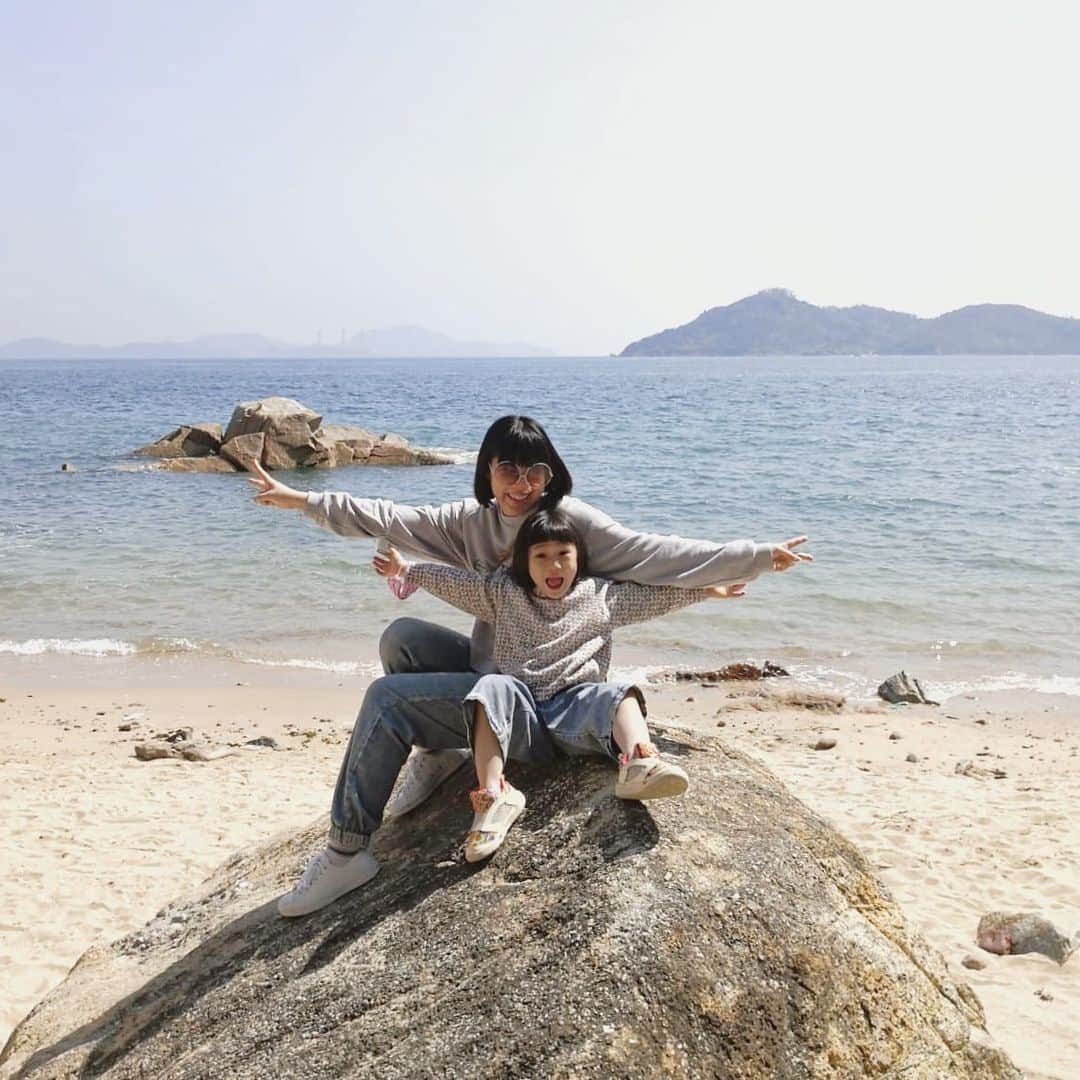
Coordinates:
[517,489]
[553,568]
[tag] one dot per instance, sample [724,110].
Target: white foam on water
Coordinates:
[853,684]
[339,667]
[460,457]
[66,647]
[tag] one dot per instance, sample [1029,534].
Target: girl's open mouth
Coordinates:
[554,583]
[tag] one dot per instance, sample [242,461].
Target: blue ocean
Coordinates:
[940,495]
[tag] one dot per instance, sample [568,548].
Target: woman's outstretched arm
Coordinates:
[655,559]
[431,532]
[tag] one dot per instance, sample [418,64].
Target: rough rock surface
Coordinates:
[730,934]
[1012,933]
[188,440]
[903,688]
[194,465]
[280,433]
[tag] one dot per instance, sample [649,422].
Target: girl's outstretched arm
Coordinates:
[465,589]
[629,602]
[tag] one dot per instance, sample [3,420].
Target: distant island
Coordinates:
[393,342]
[776,322]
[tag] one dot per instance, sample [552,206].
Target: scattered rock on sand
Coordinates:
[264,740]
[895,736]
[903,687]
[180,744]
[1043,994]
[1009,934]
[969,768]
[824,744]
[973,962]
[913,758]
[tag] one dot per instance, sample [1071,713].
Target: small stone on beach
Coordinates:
[973,962]
[823,744]
[895,736]
[913,758]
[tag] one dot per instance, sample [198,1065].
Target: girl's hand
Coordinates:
[389,563]
[783,558]
[727,592]
[272,492]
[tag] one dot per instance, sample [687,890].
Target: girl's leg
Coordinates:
[504,723]
[629,729]
[487,754]
[609,719]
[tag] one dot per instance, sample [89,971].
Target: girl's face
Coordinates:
[553,568]
[517,489]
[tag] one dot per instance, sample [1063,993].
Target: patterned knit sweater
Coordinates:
[551,644]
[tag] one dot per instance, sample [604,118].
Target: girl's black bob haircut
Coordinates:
[539,528]
[522,441]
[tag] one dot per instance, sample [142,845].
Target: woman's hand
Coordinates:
[783,558]
[389,563]
[727,592]
[274,493]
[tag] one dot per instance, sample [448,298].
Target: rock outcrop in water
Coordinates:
[729,934]
[280,433]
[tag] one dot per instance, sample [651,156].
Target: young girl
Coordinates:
[552,647]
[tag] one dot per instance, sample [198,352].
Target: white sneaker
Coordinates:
[646,775]
[323,882]
[423,773]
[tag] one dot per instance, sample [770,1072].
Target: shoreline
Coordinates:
[97,842]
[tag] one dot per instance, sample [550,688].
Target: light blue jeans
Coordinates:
[418,702]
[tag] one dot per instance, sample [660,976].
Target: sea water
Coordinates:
[940,495]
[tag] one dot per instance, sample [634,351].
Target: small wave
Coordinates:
[1012,680]
[339,667]
[68,647]
[100,647]
[460,457]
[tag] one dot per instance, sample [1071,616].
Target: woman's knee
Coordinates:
[396,645]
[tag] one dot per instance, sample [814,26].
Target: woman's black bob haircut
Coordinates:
[522,441]
[539,528]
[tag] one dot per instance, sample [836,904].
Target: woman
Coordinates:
[430,669]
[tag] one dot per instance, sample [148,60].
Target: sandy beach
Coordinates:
[97,841]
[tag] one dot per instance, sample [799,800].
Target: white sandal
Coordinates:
[646,775]
[493,814]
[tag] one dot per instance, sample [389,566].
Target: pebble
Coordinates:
[973,962]
[1044,995]
[824,744]
[895,736]
[913,758]
[721,723]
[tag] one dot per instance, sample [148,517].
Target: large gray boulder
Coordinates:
[728,934]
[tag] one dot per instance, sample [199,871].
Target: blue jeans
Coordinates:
[418,702]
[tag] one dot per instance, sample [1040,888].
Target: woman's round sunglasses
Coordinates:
[536,476]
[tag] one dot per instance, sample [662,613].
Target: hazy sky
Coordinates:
[573,173]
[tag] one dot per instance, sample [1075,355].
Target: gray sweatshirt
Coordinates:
[480,538]
[551,644]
